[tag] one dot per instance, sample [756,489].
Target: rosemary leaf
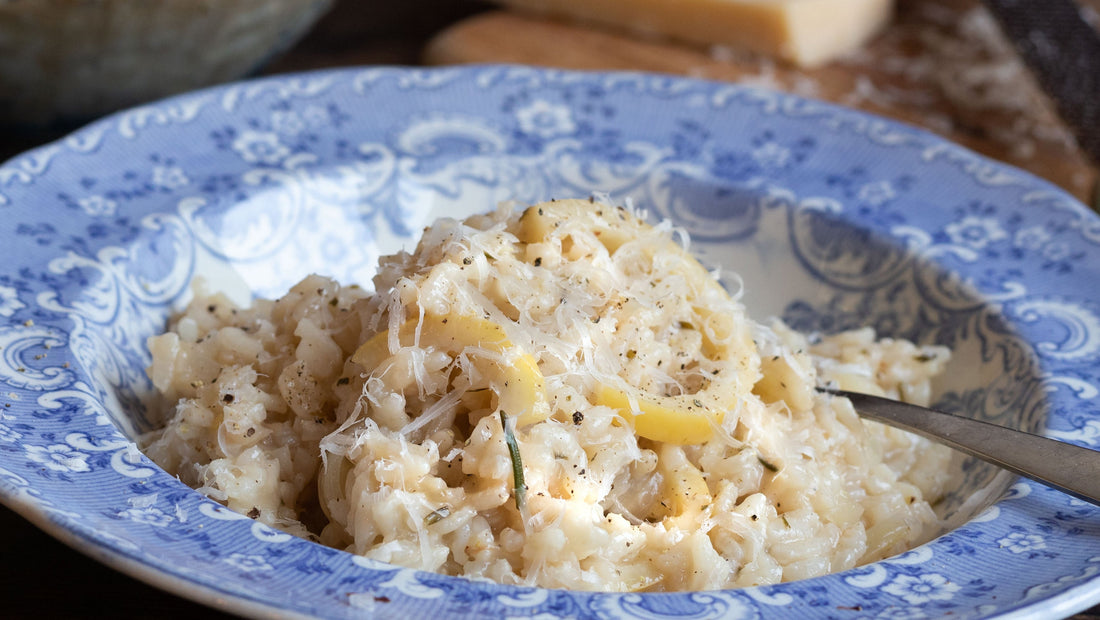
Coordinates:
[517,463]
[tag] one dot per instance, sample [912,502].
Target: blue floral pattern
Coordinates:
[834,219]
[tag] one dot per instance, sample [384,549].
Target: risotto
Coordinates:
[558,396]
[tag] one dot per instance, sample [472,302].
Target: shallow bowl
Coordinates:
[833,218]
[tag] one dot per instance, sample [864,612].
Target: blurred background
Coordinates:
[943,65]
[64,63]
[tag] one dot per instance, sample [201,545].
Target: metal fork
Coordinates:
[1066,467]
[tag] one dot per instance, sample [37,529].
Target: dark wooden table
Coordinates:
[32,563]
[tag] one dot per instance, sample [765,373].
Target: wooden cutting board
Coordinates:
[942,65]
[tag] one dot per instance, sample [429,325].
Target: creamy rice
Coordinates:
[662,439]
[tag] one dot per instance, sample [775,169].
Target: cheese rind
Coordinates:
[805,32]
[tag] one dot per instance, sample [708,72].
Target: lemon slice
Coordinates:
[514,375]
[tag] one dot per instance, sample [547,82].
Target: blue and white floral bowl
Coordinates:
[834,218]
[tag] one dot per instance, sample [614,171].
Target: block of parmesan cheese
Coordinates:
[805,32]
